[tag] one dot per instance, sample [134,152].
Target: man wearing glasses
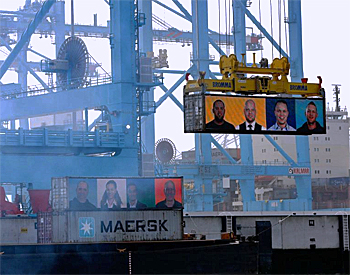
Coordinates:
[169,192]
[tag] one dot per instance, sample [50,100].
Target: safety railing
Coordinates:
[45,137]
[37,90]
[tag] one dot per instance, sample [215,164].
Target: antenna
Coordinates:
[337,99]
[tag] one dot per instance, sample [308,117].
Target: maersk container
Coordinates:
[150,192]
[113,226]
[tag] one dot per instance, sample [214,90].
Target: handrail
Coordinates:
[37,90]
[50,138]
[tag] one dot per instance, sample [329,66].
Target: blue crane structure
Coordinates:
[38,155]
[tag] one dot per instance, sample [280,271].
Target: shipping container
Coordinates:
[223,113]
[114,226]
[18,230]
[91,193]
[44,227]
[59,193]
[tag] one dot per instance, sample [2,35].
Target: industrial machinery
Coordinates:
[71,65]
[47,152]
[165,150]
[235,79]
[236,87]
[7,207]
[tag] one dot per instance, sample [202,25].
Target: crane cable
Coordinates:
[226,24]
[229,24]
[219,23]
[271,27]
[233,24]
[261,50]
[279,28]
[285,27]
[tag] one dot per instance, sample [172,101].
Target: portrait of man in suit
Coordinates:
[133,201]
[250,123]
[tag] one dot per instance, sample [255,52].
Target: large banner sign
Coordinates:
[124,193]
[253,115]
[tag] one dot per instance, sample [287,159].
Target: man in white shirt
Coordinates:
[281,113]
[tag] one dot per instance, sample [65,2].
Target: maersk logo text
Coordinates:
[134,226]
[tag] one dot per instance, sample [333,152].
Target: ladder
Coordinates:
[345,232]
[229,224]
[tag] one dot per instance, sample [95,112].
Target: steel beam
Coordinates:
[280,150]
[172,89]
[26,35]
[173,98]
[200,46]
[60,102]
[296,61]
[25,64]
[146,45]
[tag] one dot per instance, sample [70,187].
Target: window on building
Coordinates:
[275,149]
[263,150]
[275,138]
[339,127]
[262,139]
[327,127]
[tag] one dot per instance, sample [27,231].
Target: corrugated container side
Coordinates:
[59,227]
[59,193]
[111,226]
[18,230]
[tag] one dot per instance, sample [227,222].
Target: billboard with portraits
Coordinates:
[124,193]
[254,115]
